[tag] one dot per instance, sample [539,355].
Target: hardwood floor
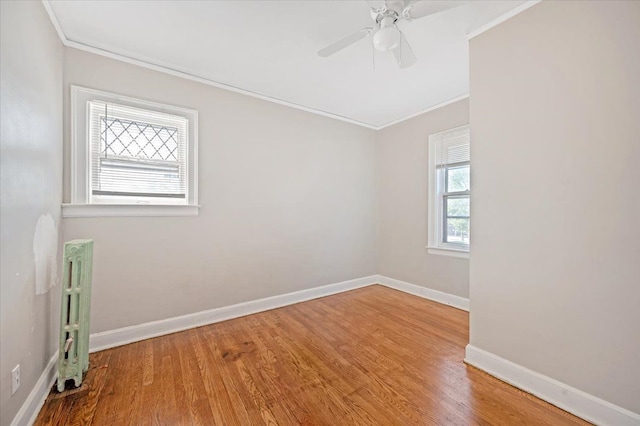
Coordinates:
[368,356]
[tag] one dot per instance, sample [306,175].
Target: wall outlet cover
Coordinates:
[15,379]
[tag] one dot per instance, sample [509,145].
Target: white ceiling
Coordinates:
[270,48]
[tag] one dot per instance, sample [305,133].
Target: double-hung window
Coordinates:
[449,192]
[131,157]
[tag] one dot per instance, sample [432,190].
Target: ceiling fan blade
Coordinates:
[345,42]
[420,9]
[404,54]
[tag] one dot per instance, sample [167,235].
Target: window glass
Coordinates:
[137,155]
[450,192]
[458,178]
[457,231]
[131,157]
[458,206]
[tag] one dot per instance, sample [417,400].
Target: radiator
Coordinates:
[73,357]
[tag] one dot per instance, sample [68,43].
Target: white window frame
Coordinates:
[80,191]
[435,244]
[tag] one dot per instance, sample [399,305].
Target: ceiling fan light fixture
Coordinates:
[386,39]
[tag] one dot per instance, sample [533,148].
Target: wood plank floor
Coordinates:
[368,356]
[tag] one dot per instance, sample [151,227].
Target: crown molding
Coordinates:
[189,75]
[500,19]
[166,69]
[424,111]
[203,80]
[54,21]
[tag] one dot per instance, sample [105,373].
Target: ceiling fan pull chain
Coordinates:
[373,57]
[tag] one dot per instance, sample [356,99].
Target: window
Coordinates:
[131,157]
[449,192]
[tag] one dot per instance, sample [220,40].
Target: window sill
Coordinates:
[127,210]
[461,254]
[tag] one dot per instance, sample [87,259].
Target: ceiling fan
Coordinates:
[387,37]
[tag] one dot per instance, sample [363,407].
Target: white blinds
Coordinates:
[137,153]
[453,146]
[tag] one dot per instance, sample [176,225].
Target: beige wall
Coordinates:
[402,179]
[288,203]
[31,186]
[555,119]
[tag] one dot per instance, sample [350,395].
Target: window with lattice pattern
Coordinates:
[138,139]
[137,153]
[130,152]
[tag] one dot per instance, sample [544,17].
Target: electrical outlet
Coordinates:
[15,379]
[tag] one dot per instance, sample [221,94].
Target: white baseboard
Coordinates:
[427,293]
[557,393]
[135,333]
[34,402]
[561,395]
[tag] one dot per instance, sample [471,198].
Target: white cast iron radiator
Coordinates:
[73,357]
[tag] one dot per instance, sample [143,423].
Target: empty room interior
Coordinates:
[284,212]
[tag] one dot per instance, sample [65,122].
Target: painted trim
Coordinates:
[426,293]
[440,251]
[38,395]
[167,69]
[81,156]
[54,21]
[424,111]
[135,333]
[122,336]
[568,398]
[500,19]
[435,226]
[76,195]
[127,210]
[204,80]
[561,395]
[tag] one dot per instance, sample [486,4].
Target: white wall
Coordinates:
[31,186]
[402,179]
[555,270]
[288,203]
